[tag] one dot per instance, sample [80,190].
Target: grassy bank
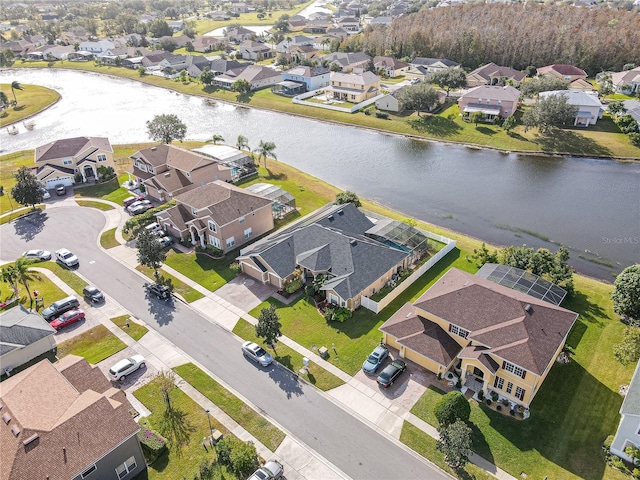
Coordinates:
[31,100]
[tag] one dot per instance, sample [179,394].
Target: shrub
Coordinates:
[635,139]
[481,395]
[451,407]
[382,115]
[235,268]
[309,291]
[505,402]
[488,401]
[293,285]
[636,473]
[439,376]
[494,396]
[337,314]
[241,457]
[512,412]
[153,444]
[499,408]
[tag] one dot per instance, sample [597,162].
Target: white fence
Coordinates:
[377,307]
[300,100]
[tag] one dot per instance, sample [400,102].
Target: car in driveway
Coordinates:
[255,352]
[92,294]
[272,470]
[45,194]
[165,241]
[61,189]
[42,255]
[129,200]
[154,228]
[138,209]
[375,359]
[391,373]
[125,367]
[67,258]
[137,204]
[67,318]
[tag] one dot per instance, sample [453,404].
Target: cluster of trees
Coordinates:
[626,303]
[625,122]
[452,412]
[530,34]
[549,113]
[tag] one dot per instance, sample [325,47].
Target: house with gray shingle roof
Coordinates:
[492,74]
[257,75]
[590,108]
[66,421]
[628,432]
[493,337]
[23,336]
[218,214]
[333,245]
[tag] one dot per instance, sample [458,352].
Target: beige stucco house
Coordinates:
[493,101]
[628,432]
[167,170]
[218,214]
[562,71]
[353,87]
[392,67]
[495,338]
[492,74]
[58,162]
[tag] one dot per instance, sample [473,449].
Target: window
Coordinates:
[126,468]
[509,387]
[241,220]
[248,232]
[214,241]
[520,393]
[88,471]
[67,161]
[498,383]
[102,158]
[510,367]
[212,226]
[231,241]
[461,332]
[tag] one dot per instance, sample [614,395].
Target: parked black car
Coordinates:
[391,372]
[93,294]
[161,292]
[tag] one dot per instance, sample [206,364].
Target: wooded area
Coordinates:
[515,35]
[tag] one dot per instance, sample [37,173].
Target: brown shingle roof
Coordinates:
[562,69]
[172,156]
[491,70]
[70,147]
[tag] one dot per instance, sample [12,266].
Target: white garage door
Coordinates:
[66,181]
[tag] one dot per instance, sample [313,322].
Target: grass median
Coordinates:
[254,423]
[131,328]
[108,239]
[92,204]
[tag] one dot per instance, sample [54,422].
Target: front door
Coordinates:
[477,372]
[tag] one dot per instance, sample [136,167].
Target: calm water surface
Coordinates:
[590,205]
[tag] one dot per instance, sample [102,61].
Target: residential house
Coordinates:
[391,67]
[23,336]
[493,101]
[240,34]
[384,21]
[626,82]
[207,44]
[296,23]
[60,161]
[299,54]
[312,77]
[317,26]
[256,75]
[66,421]
[299,40]
[391,103]
[176,25]
[334,246]
[581,85]
[219,66]
[218,214]
[113,56]
[240,163]
[432,65]
[167,170]
[96,47]
[492,74]
[590,109]
[239,7]
[323,42]
[347,61]
[633,109]
[154,58]
[493,337]
[562,71]
[419,73]
[353,87]
[80,56]
[338,32]
[254,50]
[19,48]
[628,433]
[350,25]
[180,41]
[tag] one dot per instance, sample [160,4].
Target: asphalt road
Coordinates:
[344,440]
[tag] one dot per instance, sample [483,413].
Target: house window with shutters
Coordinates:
[461,332]
[510,367]
[498,383]
[520,393]
[509,387]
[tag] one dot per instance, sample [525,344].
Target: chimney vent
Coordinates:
[32,438]
[528,308]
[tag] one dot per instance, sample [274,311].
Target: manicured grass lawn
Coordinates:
[189,294]
[31,100]
[108,239]
[425,445]
[254,423]
[185,462]
[355,338]
[133,329]
[17,213]
[10,164]
[47,290]
[209,272]
[95,345]
[110,190]
[98,205]
[291,359]
[574,411]
[66,275]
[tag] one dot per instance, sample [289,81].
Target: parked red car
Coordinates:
[68,318]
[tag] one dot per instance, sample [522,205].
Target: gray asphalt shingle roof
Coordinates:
[631,404]
[20,328]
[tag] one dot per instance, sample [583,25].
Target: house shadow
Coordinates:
[30,225]
[435,125]
[568,141]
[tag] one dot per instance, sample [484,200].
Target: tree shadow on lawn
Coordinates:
[569,141]
[570,417]
[435,125]
[486,130]
[579,302]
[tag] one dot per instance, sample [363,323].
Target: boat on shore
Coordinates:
[30,125]
[12,130]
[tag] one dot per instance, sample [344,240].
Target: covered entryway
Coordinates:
[88,173]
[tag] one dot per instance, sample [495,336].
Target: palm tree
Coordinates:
[265,149]
[217,138]
[325,41]
[25,275]
[4,100]
[242,143]
[15,86]
[8,275]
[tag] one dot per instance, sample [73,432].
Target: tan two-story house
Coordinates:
[493,102]
[353,87]
[218,214]
[495,338]
[58,162]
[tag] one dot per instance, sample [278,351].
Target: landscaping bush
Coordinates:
[505,402]
[382,115]
[635,139]
[137,222]
[235,268]
[293,285]
[512,412]
[241,457]
[337,314]
[499,408]
[153,444]
[452,407]
[481,395]
[494,396]
[211,250]
[488,401]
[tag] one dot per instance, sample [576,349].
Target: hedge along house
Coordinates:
[493,337]
[218,214]
[332,243]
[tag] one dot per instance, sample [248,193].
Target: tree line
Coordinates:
[514,35]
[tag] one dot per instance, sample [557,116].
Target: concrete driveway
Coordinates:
[245,293]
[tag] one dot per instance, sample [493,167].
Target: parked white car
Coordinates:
[41,255]
[125,367]
[67,258]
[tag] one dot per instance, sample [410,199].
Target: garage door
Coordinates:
[66,181]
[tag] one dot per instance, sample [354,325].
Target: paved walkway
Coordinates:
[355,396]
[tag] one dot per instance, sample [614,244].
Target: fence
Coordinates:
[377,307]
[300,100]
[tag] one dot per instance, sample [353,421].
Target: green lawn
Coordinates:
[95,345]
[355,338]
[66,275]
[254,423]
[17,213]
[574,411]
[31,100]
[189,294]
[92,204]
[181,463]
[108,239]
[10,164]
[209,272]
[133,329]
[110,190]
[291,359]
[47,290]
